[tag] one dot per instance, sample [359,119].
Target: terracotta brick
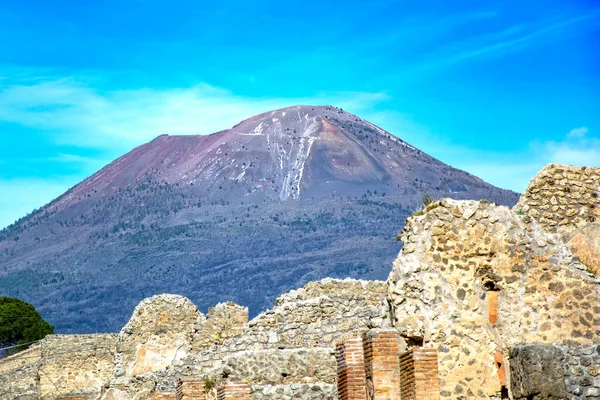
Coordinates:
[190,388]
[499,359]
[382,367]
[238,391]
[419,378]
[352,383]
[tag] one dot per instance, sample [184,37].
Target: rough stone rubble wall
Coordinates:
[303,391]
[159,332]
[456,258]
[555,371]
[316,316]
[563,198]
[307,322]
[19,375]
[75,364]
[566,200]
[281,367]
[224,321]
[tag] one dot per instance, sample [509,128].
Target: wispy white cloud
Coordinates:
[577,132]
[514,171]
[519,38]
[508,170]
[510,39]
[576,149]
[74,113]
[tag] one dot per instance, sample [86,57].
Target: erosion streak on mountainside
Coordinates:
[280,199]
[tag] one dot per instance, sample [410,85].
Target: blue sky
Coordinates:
[496,88]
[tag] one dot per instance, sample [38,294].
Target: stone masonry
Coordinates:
[474,279]
[75,364]
[563,198]
[551,371]
[239,391]
[566,200]
[190,389]
[19,375]
[224,321]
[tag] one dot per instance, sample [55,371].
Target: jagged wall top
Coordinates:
[563,198]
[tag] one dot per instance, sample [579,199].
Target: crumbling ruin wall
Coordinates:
[267,367]
[159,332]
[302,391]
[315,316]
[75,365]
[308,321]
[566,200]
[224,321]
[19,375]
[563,198]
[474,279]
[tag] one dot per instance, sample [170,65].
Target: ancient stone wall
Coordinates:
[474,279]
[303,391]
[19,375]
[273,367]
[224,321]
[316,316]
[75,365]
[552,371]
[563,198]
[287,345]
[159,332]
[566,200]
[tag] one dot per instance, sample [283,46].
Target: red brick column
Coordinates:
[382,364]
[352,383]
[419,375]
[190,389]
[239,391]
[407,376]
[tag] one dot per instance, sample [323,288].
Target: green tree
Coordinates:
[20,323]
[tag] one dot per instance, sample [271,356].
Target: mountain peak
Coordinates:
[297,151]
[282,198]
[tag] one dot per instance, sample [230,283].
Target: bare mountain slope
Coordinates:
[244,214]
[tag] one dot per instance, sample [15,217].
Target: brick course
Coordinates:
[352,383]
[419,375]
[190,389]
[237,391]
[382,364]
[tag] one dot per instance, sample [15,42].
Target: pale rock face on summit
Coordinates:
[281,199]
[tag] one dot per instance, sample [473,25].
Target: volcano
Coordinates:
[280,199]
